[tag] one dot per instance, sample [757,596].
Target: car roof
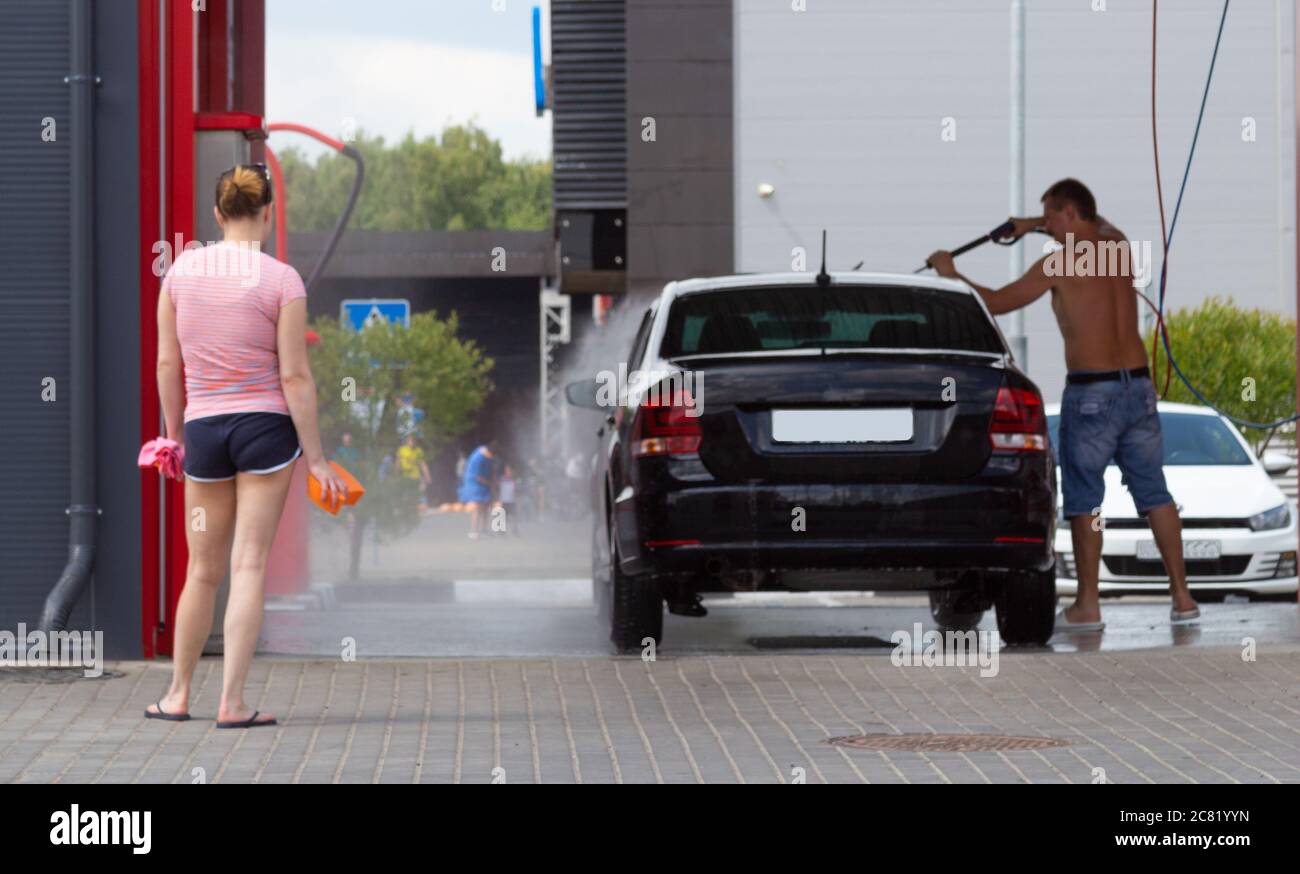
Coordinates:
[1162,406]
[807,279]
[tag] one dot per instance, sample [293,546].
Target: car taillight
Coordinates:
[665,425]
[1018,421]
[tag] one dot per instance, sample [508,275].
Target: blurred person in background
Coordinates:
[346,454]
[476,486]
[576,476]
[411,463]
[532,490]
[506,494]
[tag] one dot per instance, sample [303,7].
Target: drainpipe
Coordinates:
[83,511]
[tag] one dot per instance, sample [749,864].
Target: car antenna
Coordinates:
[823,278]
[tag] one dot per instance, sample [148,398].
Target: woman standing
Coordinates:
[236,318]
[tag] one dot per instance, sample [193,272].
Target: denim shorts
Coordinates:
[218,447]
[1104,421]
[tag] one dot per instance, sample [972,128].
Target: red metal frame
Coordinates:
[166,88]
[214,93]
[228,121]
[148,38]
[184,57]
[181,28]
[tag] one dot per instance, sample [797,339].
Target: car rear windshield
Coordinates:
[839,317]
[1189,439]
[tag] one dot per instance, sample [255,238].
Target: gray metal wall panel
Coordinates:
[680,186]
[114,599]
[34,320]
[840,108]
[34,310]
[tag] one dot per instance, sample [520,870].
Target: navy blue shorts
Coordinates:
[218,447]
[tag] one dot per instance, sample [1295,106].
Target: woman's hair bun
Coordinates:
[241,192]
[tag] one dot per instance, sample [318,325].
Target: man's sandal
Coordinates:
[1063,624]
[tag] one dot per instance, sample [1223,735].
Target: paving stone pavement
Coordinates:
[1189,715]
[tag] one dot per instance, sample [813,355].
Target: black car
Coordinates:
[865,432]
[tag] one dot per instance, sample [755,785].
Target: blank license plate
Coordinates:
[887,425]
[1191,549]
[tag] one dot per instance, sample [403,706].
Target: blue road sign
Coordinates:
[359,312]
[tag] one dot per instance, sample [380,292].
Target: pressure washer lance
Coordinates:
[1004,235]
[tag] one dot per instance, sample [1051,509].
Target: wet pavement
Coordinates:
[529,618]
[435,593]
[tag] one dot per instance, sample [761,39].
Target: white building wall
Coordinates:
[841,108]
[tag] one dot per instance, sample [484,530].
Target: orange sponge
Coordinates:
[355,490]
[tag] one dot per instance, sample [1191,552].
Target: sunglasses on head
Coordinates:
[259,168]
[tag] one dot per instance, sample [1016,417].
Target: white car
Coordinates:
[1239,529]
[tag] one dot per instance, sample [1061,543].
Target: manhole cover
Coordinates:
[946,743]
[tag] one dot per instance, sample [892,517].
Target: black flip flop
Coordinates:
[250,722]
[162,714]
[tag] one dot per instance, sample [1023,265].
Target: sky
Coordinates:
[392,66]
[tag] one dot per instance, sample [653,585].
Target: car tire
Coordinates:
[636,607]
[1026,607]
[945,609]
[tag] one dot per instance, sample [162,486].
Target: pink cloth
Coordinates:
[167,456]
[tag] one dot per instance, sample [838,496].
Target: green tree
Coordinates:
[455,181]
[1244,360]
[360,378]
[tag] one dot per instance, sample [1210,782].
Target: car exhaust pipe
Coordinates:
[715,566]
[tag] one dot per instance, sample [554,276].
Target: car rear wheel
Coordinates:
[950,613]
[636,608]
[1026,607]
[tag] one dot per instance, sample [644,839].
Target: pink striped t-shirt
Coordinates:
[228,299]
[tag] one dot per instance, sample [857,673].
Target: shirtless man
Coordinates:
[1108,409]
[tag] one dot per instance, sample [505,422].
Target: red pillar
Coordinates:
[177,38]
[151,39]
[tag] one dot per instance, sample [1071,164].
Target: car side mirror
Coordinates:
[583,394]
[1277,462]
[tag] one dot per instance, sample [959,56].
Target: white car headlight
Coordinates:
[1278,517]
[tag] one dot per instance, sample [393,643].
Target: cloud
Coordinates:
[389,86]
